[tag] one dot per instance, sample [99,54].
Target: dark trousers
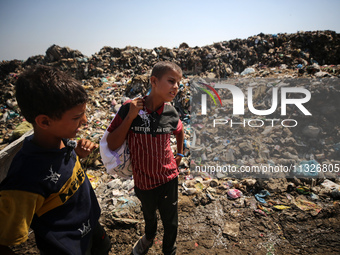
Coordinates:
[165,199]
[100,244]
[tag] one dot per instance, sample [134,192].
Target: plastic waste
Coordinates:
[281,207]
[261,195]
[234,193]
[306,205]
[308,168]
[94,180]
[259,211]
[248,70]
[303,190]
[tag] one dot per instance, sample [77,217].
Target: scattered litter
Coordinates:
[261,195]
[234,193]
[306,205]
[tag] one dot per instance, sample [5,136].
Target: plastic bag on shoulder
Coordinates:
[118,161]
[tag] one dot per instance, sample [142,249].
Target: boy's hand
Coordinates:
[178,159]
[85,147]
[135,105]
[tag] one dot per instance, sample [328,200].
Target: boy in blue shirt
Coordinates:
[46,188]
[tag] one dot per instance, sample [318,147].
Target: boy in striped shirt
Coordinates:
[148,123]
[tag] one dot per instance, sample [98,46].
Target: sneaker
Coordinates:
[142,246]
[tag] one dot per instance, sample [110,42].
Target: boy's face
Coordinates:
[167,86]
[68,125]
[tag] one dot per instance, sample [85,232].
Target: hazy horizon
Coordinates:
[29,28]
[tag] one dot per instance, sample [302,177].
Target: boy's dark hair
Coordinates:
[162,67]
[49,91]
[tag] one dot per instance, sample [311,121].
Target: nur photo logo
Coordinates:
[238,97]
[204,96]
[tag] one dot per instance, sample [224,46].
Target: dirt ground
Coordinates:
[225,226]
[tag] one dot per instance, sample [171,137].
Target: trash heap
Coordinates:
[126,71]
[232,212]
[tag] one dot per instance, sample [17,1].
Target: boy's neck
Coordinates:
[153,103]
[46,141]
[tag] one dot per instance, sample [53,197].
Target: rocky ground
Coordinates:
[286,215]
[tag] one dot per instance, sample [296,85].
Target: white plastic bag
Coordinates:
[118,161]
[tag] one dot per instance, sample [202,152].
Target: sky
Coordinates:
[30,27]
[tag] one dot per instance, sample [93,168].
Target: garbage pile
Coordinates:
[231,211]
[293,51]
[303,54]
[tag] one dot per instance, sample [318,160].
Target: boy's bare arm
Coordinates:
[180,141]
[116,138]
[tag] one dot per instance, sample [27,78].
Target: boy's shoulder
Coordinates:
[32,166]
[23,173]
[124,108]
[127,102]
[169,116]
[170,108]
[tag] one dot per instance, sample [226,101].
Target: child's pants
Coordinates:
[165,198]
[100,244]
